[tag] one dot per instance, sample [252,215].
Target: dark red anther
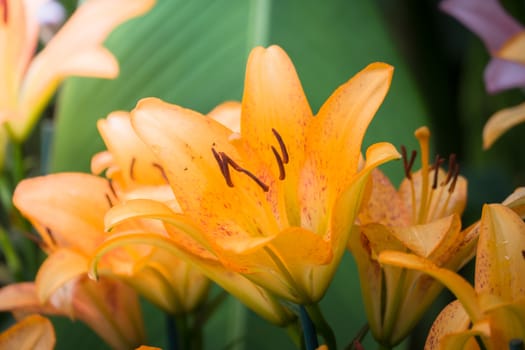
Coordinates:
[112,188]
[280,163]
[108,198]
[408,163]
[132,169]
[162,172]
[50,235]
[223,167]
[437,164]
[284,152]
[454,179]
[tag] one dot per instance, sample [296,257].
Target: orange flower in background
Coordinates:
[134,172]
[422,217]
[493,310]
[276,201]
[68,210]
[29,80]
[33,332]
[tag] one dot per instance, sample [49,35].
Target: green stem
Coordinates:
[182,332]
[321,325]
[18,162]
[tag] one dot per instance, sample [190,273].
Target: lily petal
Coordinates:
[22,297]
[384,206]
[198,183]
[337,133]
[452,319]
[251,295]
[459,286]
[516,201]
[78,46]
[56,205]
[70,264]
[111,308]
[228,114]
[500,259]
[514,49]
[502,75]
[502,121]
[274,102]
[33,332]
[486,18]
[135,160]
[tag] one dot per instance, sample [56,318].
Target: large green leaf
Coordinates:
[193,53]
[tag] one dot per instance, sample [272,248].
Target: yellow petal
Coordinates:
[32,333]
[452,319]
[384,206]
[273,98]
[251,295]
[336,134]
[457,285]
[335,138]
[437,240]
[134,159]
[18,295]
[78,46]
[466,339]
[501,122]
[56,205]
[59,268]
[145,208]
[516,201]
[513,49]
[146,347]
[365,243]
[111,308]
[228,114]
[500,260]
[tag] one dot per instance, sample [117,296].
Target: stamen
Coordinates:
[132,168]
[280,163]
[223,166]
[523,254]
[435,167]
[112,188]
[451,167]
[423,135]
[50,235]
[225,162]
[454,179]
[408,164]
[240,169]
[162,172]
[284,152]
[108,198]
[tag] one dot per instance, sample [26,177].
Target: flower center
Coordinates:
[428,202]
[225,162]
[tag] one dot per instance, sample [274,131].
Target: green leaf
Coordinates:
[193,53]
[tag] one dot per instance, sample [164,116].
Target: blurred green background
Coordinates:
[193,53]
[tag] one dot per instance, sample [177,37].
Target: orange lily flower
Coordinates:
[422,217]
[493,310]
[136,173]
[170,283]
[56,206]
[276,201]
[33,332]
[29,80]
